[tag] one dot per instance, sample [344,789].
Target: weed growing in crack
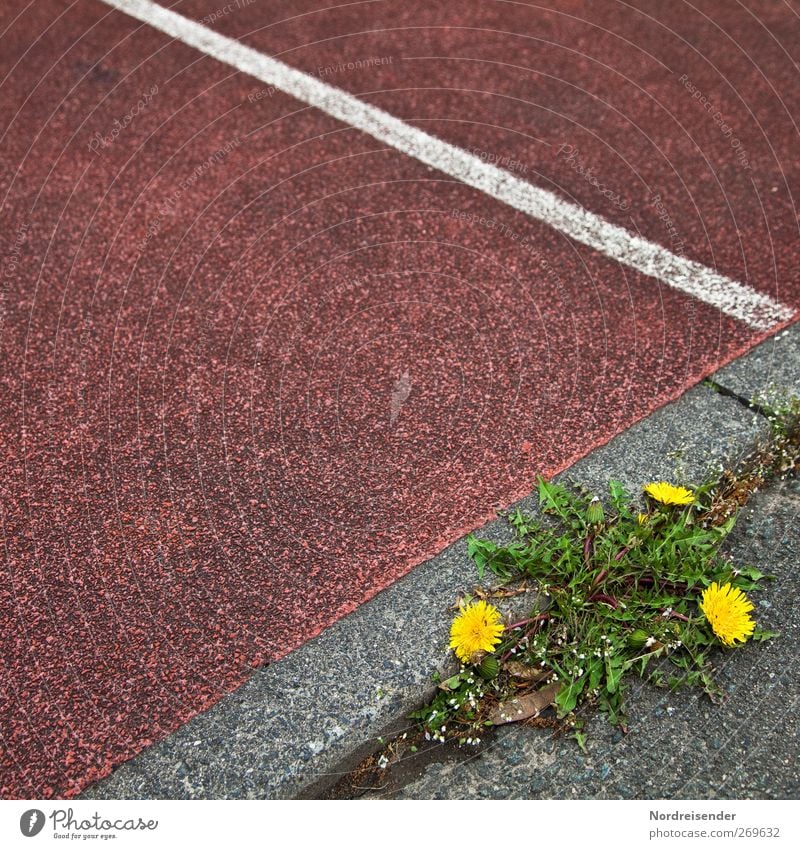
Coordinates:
[619,592]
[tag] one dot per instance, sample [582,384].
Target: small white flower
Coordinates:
[649,642]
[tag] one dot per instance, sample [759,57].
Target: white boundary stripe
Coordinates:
[728,296]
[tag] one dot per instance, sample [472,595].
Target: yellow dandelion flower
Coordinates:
[476,629]
[727,609]
[666,493]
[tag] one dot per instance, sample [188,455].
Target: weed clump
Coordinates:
[619,591]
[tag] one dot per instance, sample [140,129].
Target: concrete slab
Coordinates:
[772,365]
[303,720]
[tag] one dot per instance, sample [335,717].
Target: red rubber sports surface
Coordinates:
[256,366]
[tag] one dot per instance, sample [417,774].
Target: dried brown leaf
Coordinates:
[524,672]
[525,707]
[509,592]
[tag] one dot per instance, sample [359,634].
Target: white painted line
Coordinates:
[728,296]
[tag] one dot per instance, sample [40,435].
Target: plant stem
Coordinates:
[539,618]
[675,615]
[606,599]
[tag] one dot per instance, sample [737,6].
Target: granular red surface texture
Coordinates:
[255,366]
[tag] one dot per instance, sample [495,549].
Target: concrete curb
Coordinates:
[302,722]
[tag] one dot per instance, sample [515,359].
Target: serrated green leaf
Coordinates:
[595,672]
[480,550]
[619,497]
[614,669]
[555,498]
[752,573]
[567,696]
